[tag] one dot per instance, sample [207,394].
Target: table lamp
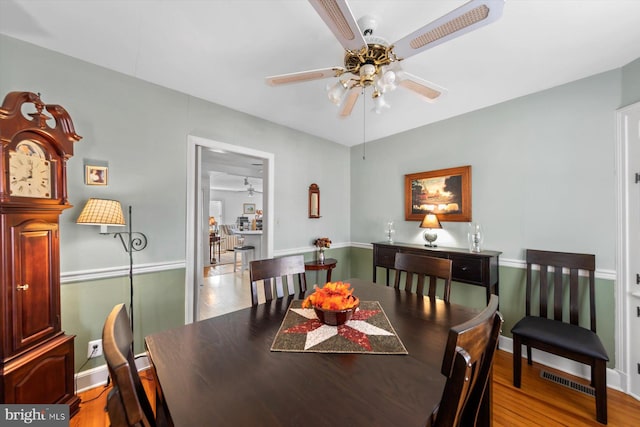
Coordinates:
[430,222]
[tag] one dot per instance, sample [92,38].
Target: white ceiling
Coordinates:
[222,50]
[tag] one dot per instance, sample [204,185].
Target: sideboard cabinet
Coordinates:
[474,268]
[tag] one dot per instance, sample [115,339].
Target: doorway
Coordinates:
[196,231]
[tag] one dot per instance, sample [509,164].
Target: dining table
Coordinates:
[222,372]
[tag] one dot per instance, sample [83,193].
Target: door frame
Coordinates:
[194,258]
[624,273]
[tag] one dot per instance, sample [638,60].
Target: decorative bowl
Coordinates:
[335,317]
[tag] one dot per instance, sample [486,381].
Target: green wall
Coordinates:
[158,305]
[543,173]
[512,297]
[140,130]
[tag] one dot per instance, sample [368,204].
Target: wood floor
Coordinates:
[538,403]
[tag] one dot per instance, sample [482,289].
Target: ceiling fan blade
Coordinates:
[349,101]
[430,92]
[304,76]
[338,17]
[466,18]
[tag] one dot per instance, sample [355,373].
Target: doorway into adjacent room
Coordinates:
[217,164]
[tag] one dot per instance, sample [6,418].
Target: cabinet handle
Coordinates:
[464,268]
[23,287]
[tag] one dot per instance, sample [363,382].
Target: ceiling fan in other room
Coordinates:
[370,61]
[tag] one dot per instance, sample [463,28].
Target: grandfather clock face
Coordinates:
[29,171]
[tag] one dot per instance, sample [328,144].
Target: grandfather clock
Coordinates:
[36,357]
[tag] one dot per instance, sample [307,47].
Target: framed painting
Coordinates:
[96,175]
[249,208]
[445,192]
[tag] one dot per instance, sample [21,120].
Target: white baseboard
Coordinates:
[97,376]
[614,377]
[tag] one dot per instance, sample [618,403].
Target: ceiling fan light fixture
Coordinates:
[371,60]
[387,82]
[379,103]
[336,92]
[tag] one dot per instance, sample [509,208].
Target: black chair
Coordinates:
[423,267]
[550,332]
[127,402]
[467,363]
[272,271]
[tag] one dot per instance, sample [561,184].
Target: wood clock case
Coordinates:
[36,357]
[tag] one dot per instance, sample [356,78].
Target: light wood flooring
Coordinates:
[538,403]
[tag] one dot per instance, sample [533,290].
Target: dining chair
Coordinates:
[423,266]
[467,364]
[272,272]
[548,327]
[127,402]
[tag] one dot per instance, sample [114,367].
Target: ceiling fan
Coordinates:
[370,61]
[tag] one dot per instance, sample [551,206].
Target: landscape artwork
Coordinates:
[445,192]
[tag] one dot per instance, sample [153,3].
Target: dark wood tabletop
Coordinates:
[328,265]
[221,371]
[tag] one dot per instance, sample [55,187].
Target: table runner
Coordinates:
[369,331]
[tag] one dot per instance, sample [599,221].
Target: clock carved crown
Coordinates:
[36,140]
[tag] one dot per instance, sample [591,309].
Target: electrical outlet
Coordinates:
[95,349]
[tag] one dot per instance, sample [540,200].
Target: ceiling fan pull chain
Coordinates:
[364,126]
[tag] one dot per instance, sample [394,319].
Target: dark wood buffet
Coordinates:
[475,268]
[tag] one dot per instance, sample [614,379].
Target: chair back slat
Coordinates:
[419,285]
[272,271]
[422,267]
[561,261]
[544,289]
[528,291]
[574,298]
[558,301]
[592,300]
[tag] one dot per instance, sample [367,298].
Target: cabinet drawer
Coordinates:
[467,269]
[386,257]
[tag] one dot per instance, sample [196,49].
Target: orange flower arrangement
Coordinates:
[333,296]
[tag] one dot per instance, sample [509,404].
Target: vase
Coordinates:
[475,237]
[321,256]
[389,232]
[336,317]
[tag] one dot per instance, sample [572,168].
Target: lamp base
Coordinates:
[430,237]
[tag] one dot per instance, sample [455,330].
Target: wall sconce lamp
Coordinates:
[430,222]
[105,212]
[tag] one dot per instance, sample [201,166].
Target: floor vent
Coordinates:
[567,383]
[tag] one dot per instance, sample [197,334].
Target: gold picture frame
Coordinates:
[445,192]
[96,175]
[249,208]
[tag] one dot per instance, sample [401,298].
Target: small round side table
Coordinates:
[329,264]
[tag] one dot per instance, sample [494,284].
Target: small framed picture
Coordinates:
[96,175]
[249,208]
